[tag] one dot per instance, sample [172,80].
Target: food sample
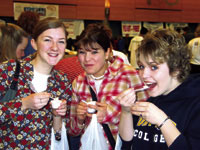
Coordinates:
[55,103]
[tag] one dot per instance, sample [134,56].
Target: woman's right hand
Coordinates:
[81,112]
[127,98]
[35,101]
[149,111]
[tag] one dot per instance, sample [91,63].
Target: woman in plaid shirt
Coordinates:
[107,77]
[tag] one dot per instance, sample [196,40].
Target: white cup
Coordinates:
[91,110]
[55,103]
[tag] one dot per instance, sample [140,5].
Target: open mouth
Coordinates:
[53,54]
[151,85]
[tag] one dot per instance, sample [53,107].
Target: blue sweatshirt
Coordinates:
[182,105]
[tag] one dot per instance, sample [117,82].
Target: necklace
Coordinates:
[97,78]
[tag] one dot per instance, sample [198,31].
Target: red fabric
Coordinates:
[70,66]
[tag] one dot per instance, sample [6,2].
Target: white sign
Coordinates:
[74,28]
[43,9]
[130,29]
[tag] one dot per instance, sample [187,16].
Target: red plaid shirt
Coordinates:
[118,77]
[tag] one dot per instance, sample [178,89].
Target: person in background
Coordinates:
[13,41]
[27,21]
[27,120]
[121,44]
[70,44]
[134,44]
[188,34]
[107,77]
[194,47]
[170,118]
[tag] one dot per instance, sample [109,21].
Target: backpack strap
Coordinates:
[16,76]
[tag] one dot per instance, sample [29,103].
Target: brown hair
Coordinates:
[167,46]
[197,31]
[95,33]
[27,20]
[11,36]
[48,23]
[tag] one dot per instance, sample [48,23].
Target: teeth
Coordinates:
[145,86]
[148,84]
[53,54]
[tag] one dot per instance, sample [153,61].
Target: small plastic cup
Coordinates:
[56,103]
[91,110]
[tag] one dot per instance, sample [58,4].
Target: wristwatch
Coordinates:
[57,134]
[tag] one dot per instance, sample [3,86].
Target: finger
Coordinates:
[43,95]
[141,103]
[43,101]
[100,120]
[62,107]
[101,104]
[63,104]
[137,113]
[82,103]
[92,106]
[125,93]
[128,101]
[81,111]
[89,115]
[61,112]
[138,108]
[81,107]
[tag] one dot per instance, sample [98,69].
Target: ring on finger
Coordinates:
[40,100]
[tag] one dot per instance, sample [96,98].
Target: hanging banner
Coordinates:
[74,28]
[43,9]
[2,22]
[174,26]
[151,26]
[130,29]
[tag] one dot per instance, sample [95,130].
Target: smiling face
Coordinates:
[51,46]
[93,60]
[157,77]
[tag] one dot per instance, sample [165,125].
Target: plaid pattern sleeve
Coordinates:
[75,128]
[122,78]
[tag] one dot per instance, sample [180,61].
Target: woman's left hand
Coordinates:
[102,111]
[62,109]
[149,112]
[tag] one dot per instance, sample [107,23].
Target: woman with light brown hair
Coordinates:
[13,41]
[28,119]
[169,119]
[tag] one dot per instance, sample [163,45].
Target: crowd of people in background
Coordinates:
[145,87]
